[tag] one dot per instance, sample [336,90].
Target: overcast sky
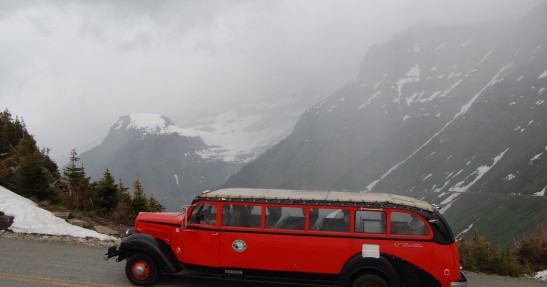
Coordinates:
[72,68]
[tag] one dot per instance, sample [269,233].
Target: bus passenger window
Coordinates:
[370,222]
[241,215]
[204,214]
[327,219]
[407,224]
[280,217]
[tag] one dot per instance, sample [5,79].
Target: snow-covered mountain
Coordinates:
[167,160]
[174,164]
[439,113]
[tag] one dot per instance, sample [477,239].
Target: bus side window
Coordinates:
[370,222]
[241,215]
[328,219]
[407,224]
[280,217]
[204,214]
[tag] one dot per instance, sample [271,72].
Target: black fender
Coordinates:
[155,248]
[358,265]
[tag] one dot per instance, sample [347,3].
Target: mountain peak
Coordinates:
[151,124]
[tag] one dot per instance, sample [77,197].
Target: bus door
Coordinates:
[240,239]
[198,242]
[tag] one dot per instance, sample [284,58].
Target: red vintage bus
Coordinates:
[319,238]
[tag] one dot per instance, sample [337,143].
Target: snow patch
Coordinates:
[233,137]
[541,275]
[509,177]
[377,84]
[544,75]
[447,203]
[492,82]
[480,172]
[465,44]
[413,75]
[369,100]
[157,125]
[439,94]
[536,157]
[484,59]
[118,125]
[29,218]
[542,192]
[465,230]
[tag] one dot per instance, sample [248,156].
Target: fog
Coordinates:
[70,69]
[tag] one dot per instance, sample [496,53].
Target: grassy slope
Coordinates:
[504,219]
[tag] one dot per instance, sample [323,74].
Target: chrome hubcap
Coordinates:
[138,270]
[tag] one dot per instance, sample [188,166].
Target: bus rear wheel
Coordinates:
[141,270]
[369,280]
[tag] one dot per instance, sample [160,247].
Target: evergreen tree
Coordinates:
[140,202]
[50,165]
[24,169]
[80,194]
[11,133]
[31,178]
[107,193]
[154,205]
[123,210]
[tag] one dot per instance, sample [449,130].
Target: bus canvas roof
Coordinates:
[313,195]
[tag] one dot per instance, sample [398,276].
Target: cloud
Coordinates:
[71,68]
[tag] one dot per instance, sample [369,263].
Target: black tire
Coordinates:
[141,270]
[369,280]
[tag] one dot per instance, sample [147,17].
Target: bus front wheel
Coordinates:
[369,280]
[141,270]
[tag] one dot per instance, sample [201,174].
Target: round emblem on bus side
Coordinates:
[239,245]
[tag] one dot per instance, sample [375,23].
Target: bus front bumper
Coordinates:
[461,283]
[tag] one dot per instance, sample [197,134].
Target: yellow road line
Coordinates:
[49,280]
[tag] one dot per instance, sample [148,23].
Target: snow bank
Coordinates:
[29,218]
[541,275]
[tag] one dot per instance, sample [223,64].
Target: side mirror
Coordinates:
[185,209]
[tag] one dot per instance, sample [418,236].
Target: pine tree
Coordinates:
[50,165]
[12,132]
[154,205]
[123,211]
[23,167]
[107,193]
[79,189]
[140,202]
[31,177]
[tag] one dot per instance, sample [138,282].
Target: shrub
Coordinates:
[479,255]
[532,250]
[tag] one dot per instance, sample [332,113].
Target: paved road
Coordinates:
[48,263]
[45,263]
